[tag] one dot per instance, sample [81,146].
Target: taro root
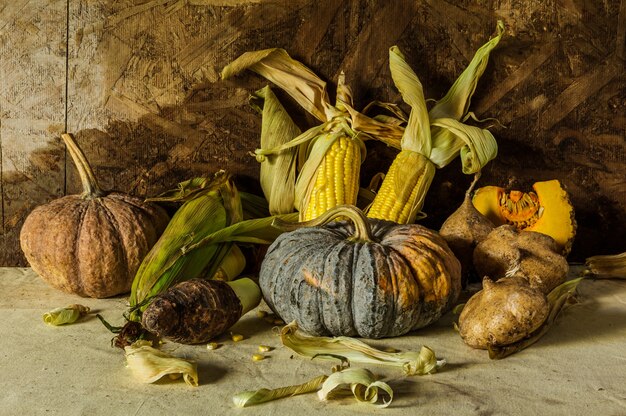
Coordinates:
[533,256]
[90,244]
[546,210]
[196,310]
[502,313]
[464,229]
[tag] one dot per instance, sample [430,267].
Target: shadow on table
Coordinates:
[209,373]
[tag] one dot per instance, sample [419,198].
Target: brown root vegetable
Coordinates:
[531,255]
[502,313]
[464,229]
[90,244]
[197,310]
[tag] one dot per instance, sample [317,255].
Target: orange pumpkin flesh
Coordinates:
[546,210]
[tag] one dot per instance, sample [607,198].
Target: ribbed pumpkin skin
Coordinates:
[404,280]
[91,247]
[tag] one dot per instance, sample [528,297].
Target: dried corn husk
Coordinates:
[607,266]
[353,350]
[278,170]
[66,315]
[363,384]
[149,364]
[308,90]
[254,397]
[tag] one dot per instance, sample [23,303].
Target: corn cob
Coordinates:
[401,195]
[336,181]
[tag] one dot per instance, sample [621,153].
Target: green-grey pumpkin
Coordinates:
[361,277]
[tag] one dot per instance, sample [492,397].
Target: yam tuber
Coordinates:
[464,229]
[528,254]
[197,310]
[524,267]
[501,313]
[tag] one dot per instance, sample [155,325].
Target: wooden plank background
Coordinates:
[137,82]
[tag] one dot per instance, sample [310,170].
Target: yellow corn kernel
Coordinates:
[236,337]
[401,195]
[264,348]
[258,357]
[337,178]
[212,346]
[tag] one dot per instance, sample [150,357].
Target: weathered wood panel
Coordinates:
[147,105]
[32,113]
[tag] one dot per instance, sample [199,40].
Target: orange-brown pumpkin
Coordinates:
[90,244]
[372,279]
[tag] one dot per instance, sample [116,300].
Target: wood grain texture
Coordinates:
[32,112]
[148,107]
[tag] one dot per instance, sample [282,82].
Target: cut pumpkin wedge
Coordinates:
[546,209]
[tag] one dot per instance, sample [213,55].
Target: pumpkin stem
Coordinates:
[469,191]
[362,227]
[90,185]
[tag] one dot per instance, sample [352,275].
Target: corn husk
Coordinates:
[231,265]
[254,397]
[278,170]
[363,384]
[66,315]
[309,91]
[149,364]
[606,266]
[353,350]
[198,239]
[202,213]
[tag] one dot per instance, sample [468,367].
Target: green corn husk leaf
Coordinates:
[456,102]
[306,88]
[476,146]
[416,135]
[66,315]
[254,206]
[254,397]
[256,231]
[149,364]
[164,266]
[278,171]
[353,350]
[557,299]
[231,266]
[184,191]
[606,266]
[363,384]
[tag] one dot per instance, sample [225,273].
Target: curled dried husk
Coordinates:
[362,383]
[149,364]
[253,397]
[607,266]
[353,350]
[66,315]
